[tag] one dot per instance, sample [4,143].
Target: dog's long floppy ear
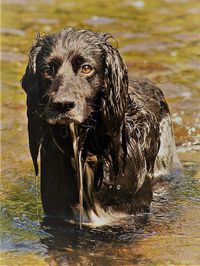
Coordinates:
[115,101]
[30,85]
[116,85]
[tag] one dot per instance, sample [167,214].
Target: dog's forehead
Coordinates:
[68,47]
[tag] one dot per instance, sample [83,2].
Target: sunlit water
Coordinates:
[159,40]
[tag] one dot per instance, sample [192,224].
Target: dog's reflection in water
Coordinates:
[66,243]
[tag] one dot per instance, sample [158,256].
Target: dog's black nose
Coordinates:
[63,106]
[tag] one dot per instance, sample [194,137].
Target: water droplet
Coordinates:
[118,187]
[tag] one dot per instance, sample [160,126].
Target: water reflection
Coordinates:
[66,243]
[70,244]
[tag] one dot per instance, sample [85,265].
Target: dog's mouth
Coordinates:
[65,115]
[62,116]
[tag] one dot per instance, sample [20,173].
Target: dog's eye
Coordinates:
[86,69]
[46,72]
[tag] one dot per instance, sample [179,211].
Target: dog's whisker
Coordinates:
[87,126]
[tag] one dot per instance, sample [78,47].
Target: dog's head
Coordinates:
[74,73]
[72,76]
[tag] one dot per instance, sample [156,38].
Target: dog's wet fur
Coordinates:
[77,76]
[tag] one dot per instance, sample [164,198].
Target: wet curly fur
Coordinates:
[78,76]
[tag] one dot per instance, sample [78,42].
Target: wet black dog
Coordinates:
[77,76]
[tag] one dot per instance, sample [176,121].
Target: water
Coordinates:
[158,39]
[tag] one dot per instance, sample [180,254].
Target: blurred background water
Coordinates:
[159,39]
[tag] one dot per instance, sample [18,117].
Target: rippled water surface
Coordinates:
[158,39]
